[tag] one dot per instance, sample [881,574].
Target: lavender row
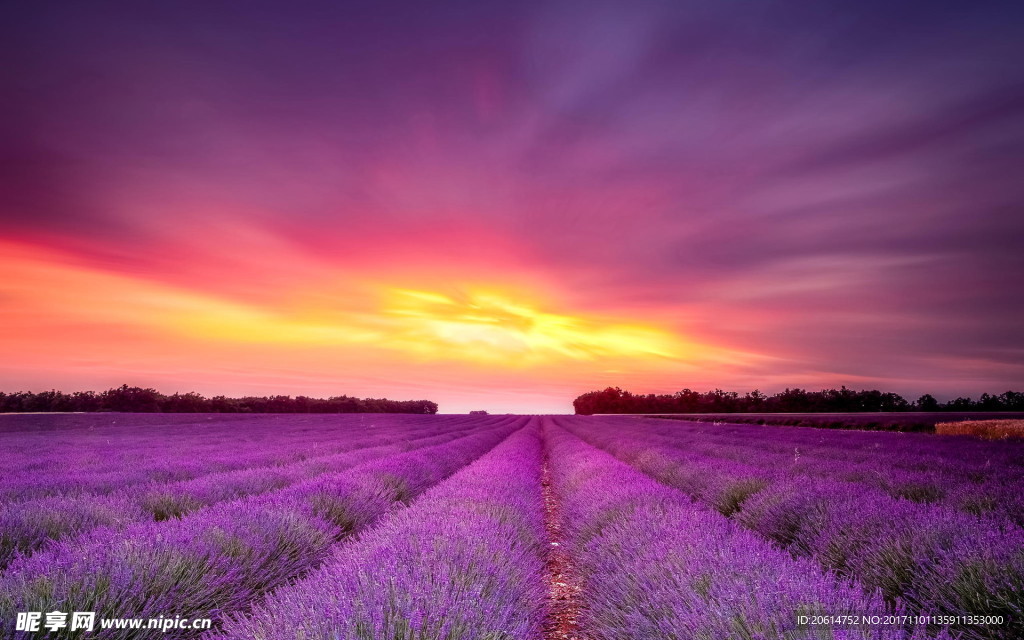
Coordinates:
[315,457]
[26,526]
[903,473]
[218,559]
[955,456]
[998,495]
[72,469]
[465,561]
[656,565]
[937,559]
[84,448]
[91,462]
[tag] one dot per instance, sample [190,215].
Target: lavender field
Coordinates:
[378,526]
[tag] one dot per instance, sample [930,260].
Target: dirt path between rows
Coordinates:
[565,591]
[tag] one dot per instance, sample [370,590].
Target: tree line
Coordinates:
[842,400]
[137,399]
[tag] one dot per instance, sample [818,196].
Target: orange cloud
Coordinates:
[476,325]
[62,315]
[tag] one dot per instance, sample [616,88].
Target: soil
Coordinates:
[565,591]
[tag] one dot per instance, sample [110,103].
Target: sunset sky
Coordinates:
[503,205]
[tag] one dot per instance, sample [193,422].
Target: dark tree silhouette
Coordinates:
[842,400]
[927,402]
[138,399]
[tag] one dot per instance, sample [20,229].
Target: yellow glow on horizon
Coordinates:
[370,322]
[485,326]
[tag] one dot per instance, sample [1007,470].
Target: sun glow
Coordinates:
[476,325]
[491,327]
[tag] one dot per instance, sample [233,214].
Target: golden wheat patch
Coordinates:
[988,429]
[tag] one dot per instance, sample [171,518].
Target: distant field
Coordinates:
[895,421]
[988,429]
[367,526]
